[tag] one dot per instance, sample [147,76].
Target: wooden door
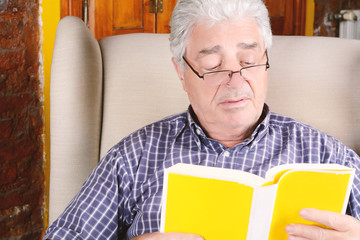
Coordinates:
[111,17]
[287,17]
[71,8]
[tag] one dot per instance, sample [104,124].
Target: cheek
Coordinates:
[265,88]
[259,89]
[200,95]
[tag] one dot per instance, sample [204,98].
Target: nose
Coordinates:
[235,78]
[233,72]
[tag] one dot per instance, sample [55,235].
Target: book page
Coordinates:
[324,190]
[217,173]
[272,173]
[215,209]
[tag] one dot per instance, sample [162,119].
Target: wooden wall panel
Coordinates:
[163,19]
[129,14]
[287,16]
[107,18]
[112,17]
[71,8]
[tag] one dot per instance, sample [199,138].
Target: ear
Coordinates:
[180,73]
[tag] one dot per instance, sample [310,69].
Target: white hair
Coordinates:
[187,13]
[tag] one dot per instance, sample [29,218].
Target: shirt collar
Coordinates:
[196,131]
[263,127]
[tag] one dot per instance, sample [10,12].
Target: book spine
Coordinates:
[163,201]
[261,212]
[347,196]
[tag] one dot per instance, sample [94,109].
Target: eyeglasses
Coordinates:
[219,77]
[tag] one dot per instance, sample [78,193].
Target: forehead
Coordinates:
[225,36]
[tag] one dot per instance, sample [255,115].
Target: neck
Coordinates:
[230,137]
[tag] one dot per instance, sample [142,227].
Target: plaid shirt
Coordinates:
[123,193]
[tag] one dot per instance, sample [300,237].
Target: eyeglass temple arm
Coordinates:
[267,60]
[196,72]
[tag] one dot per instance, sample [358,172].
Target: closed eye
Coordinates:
[212,68]
[246,64]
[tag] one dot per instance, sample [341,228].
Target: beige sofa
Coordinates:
[102,91]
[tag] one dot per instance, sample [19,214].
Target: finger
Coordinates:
[168,236]
[291,237]
[302,231]
[337,221]
[180,236]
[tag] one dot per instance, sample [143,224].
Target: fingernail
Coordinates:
[304,213]
[289,229]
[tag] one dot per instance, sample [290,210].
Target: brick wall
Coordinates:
[21,124]
[322,25]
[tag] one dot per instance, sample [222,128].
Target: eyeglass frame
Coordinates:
[231,72]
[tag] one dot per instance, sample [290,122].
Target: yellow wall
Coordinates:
[310,11]
[50,17]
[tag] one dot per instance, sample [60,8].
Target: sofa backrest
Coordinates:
[315,80]
[140,85]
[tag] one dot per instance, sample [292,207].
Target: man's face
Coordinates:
[235,104]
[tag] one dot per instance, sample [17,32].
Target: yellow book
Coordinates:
[219,203]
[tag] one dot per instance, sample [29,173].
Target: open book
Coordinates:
[222,203]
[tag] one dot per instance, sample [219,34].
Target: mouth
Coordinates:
[235,102]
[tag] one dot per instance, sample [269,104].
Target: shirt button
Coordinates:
[198,132]
[226,154]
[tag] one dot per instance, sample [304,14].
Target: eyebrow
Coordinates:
[207,51]
[217,48]
[244,45]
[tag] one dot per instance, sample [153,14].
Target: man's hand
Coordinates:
[168,236]
[343,226]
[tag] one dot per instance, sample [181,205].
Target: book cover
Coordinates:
[222,203]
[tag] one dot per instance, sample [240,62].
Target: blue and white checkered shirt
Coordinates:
[123,193]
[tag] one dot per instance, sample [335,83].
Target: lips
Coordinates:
[229,101]
[234,103]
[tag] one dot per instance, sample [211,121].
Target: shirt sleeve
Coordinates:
[353,160]
[98,211]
